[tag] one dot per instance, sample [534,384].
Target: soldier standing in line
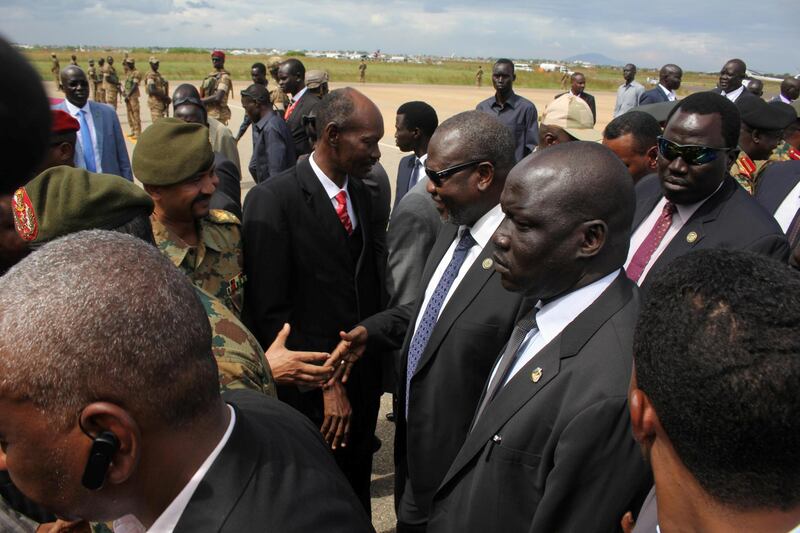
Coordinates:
[131,96]
[276,95]
[479,76]
[91,73]
[99,90]
[362,72]
[111,83]
[215,88]
[56,70]
[73,60]
[157,89]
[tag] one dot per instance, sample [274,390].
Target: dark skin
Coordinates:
[578,84]
[258,76]
[189,112]
[792,134]
[627,149]
[629,73]
[756,87]
[61,152]
[670,78]
[217,97]
[131,66]
[289,79]
[256,110]
[687,184]
[151,88]
[76,86]
[731,76]
[758,144]
[550,135]
[503,78]
[410,139]
[790,88]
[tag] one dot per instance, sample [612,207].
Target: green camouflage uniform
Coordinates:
[110,85]
[56,70]
[132,82]
[219,80]
[216,263]
[158,107]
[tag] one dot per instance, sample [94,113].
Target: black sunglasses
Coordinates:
[438,177]
[693,154]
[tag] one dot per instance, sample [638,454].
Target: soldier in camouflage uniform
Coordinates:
[174,161]
[157,89]
[131,96]
[99,90]
[215,89]
[110,83]
[56,70]
[91,73]
[279,99]
[73,60]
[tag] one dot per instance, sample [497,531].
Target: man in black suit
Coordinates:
[578,81]
[460,318]
[550,446]
[140,434]
[693,203]
[778,192]
[291,78]
[730,81]
[311,261]
[228,195]
[414,126]
[669,81]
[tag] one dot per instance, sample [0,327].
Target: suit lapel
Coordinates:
[522,388]
[643,207]
[360,197]
[223,485]
[97,117]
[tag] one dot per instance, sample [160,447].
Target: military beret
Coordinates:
[218,53]
[315,78]
[170,151]
[758,114]
[63,122]
[153,60]
[63,200]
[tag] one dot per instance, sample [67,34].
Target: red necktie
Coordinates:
[341,211]
[650,243]
[289,110]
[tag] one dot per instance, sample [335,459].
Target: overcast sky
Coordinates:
[698,35]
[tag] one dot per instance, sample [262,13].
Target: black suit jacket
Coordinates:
[729,219]
[653,96]
[274,474]
[744,94]
[776,183]
[452,371]
[305,105]
[589,99]
[555,454]
[228,195]
[404,170]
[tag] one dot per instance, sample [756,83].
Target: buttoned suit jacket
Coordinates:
[305,105]
[776,183]
[404,170]
[274,474]
[553,451]
[450,375]
[110,140]
[653,96]
[729,219]
[589,99]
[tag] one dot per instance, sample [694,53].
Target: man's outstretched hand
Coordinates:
[349,350]
[296,368]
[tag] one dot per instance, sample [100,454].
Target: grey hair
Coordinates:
[102,316]
[484,137]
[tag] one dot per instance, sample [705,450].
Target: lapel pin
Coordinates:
[691,237]
[487,263]
[536,375]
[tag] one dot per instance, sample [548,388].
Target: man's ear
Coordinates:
[595,235]
[652,157]
[98,417]
[644,419]
[485,175]
[331,133]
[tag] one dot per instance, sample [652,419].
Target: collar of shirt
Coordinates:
[510,102]
[298,96]
[670,94]
[733,95]
[262,122]
[485,227]
[575,95]
[73,109]
[785,100]
[168,519]
[421,160]
[331,189]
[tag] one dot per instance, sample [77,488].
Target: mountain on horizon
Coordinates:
[595,59]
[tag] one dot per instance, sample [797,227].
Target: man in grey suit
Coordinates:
[550,446]
[101,144]
[414,127]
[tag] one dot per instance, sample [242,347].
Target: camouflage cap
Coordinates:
[274,61]
[315,78]
[63,200]
[153,60]
[170,151]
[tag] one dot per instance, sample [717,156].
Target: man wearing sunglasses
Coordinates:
[693,203]
[460,318]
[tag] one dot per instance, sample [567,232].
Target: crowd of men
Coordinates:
[582,330]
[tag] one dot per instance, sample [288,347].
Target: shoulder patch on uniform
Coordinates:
[25,221]
[221,216]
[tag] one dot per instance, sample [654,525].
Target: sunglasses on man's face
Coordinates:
[438,177]
[693,154]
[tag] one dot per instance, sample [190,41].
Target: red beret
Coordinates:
[63,122]
[218,53]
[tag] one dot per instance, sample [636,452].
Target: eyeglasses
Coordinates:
[438,177]
[693,154]
[187,100]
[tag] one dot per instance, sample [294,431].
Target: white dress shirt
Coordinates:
[784,99]
[786,211]
[331,189]
[671,96]
[481,231]
[553,317]
[296,97]
[75,112]
[680,217]
[733,95]
[167,521]
[418,172]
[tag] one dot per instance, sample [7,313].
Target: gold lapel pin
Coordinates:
[536,375]
[487,263]
[691,237]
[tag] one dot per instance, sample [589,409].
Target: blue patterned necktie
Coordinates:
[428,322]
[86,142]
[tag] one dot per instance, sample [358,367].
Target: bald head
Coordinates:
[75,85]
[568,211]
[790,88]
